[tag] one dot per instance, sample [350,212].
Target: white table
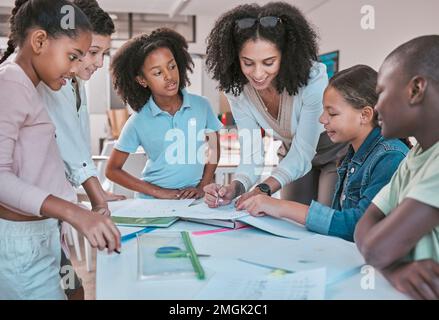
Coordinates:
[116,275]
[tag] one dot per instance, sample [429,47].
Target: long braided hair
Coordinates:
[45,14]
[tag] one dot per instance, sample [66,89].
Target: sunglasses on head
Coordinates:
[266,22]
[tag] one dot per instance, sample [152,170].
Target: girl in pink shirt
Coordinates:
[34,193]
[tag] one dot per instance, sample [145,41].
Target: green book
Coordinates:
[162,222]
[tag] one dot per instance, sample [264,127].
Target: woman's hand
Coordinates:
[418,279]
[217,195]
[247,196]
[260,205]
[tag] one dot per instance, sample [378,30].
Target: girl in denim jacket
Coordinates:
[348,116]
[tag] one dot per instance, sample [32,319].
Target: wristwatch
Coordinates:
[265,188]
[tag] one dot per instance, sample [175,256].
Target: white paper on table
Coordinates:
[351,289]
[202,211]
[341,258]
[306,285]
[279,227]
[234,244]
[148,208]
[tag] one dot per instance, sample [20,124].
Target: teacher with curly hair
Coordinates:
[265,60]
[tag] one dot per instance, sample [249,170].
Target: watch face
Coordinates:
[264,188]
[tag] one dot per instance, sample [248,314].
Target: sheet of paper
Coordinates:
[306,285]
[279,227]
[234,244]
[341,258]
[148,208]
[202,211]
[351,289]
[155,208]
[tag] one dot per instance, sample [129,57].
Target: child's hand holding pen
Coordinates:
[218,195]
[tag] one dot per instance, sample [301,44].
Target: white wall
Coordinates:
[98,97]
[98,94]
[203,26]
[338,25]
[3,42]
[196,77]
[202,84]
[396,21]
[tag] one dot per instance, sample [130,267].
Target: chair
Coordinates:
[134,166]
[73,240]
[101,163]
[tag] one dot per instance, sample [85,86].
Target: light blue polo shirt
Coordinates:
[175,145]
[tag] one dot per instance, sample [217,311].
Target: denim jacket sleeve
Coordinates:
[341,223]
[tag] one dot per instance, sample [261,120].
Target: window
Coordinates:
[122,25]
[4,21]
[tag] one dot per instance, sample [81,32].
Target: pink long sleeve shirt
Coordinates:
[31,167]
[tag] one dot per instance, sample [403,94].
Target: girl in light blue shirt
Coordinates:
[150,73]
[69,112]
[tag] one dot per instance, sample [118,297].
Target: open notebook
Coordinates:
[229,223]
[162,213]
[225,216]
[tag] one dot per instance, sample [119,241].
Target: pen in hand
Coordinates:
[218,199]
[115,250]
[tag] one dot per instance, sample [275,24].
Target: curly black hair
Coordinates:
[128,62]
[101,21]
[293,36]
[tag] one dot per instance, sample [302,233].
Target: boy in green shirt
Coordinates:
[399,233]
